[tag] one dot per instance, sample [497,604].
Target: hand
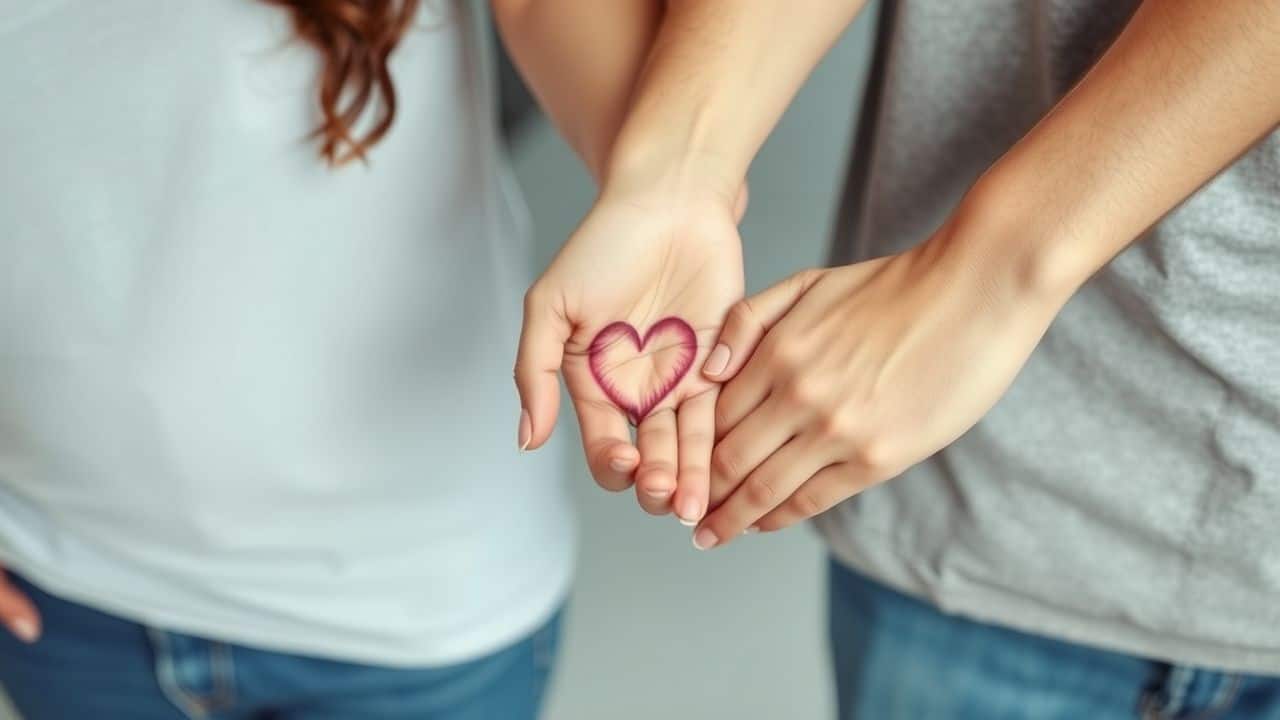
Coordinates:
[860,372]
[17,612]
[638,258]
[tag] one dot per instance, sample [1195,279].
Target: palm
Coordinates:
[640,274]
[628,265]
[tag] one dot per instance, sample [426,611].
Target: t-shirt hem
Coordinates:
[877,560]
[539,605]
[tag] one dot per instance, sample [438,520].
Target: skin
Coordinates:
[583,62]
[18,613]
[662,240]
[638,259]
[815,413]
[638,372]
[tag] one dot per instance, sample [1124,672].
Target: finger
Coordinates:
[656,477]
[606,439]
[741,396]
[831,486]
[748,321]
[748,446]
[18,613]
[541,351]
[696,429]
[763,490]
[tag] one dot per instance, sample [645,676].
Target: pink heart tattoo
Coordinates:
[634,376]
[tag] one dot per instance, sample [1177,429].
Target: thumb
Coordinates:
[748,321]
[17,612]
[538,360]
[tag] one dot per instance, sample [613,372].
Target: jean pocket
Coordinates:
[196,675]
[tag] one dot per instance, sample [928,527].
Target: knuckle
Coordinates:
[534,297]
[871,456]
[693,471]
[741,316]
[652,470]
[721,487]
[805,503]
[660,425]
[759,492]
[835,425]
[805,391]
[725,462]
[804,278]
[525,373]
[695,438]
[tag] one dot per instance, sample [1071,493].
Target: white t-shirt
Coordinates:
[246,396]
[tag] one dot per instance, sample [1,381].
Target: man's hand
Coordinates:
[867,369]
[845,377]
[17,613]
[637,258]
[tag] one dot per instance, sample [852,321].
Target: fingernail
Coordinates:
[686,523]
[25,630]
[621,464]
[525,435]
[717,361]
[690,512]
[704,539]
[658,493]
[751,530]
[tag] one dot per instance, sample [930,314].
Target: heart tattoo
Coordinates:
[635,376]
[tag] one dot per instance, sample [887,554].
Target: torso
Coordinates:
[1125,492]
[242,394]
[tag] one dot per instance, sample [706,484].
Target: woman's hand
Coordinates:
[843,378]
[17,613]
[638,258]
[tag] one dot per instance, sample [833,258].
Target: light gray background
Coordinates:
[657,629]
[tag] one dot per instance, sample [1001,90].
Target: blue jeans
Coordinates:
[89,664]
[897,658]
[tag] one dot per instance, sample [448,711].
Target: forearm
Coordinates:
[580,59]
[1185,89]
[718,79]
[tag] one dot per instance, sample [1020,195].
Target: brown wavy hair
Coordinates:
[355,38]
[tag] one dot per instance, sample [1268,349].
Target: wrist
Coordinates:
[680,183]
[671,165]
[1009,241]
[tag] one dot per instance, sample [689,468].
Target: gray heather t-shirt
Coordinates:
[1125,493]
